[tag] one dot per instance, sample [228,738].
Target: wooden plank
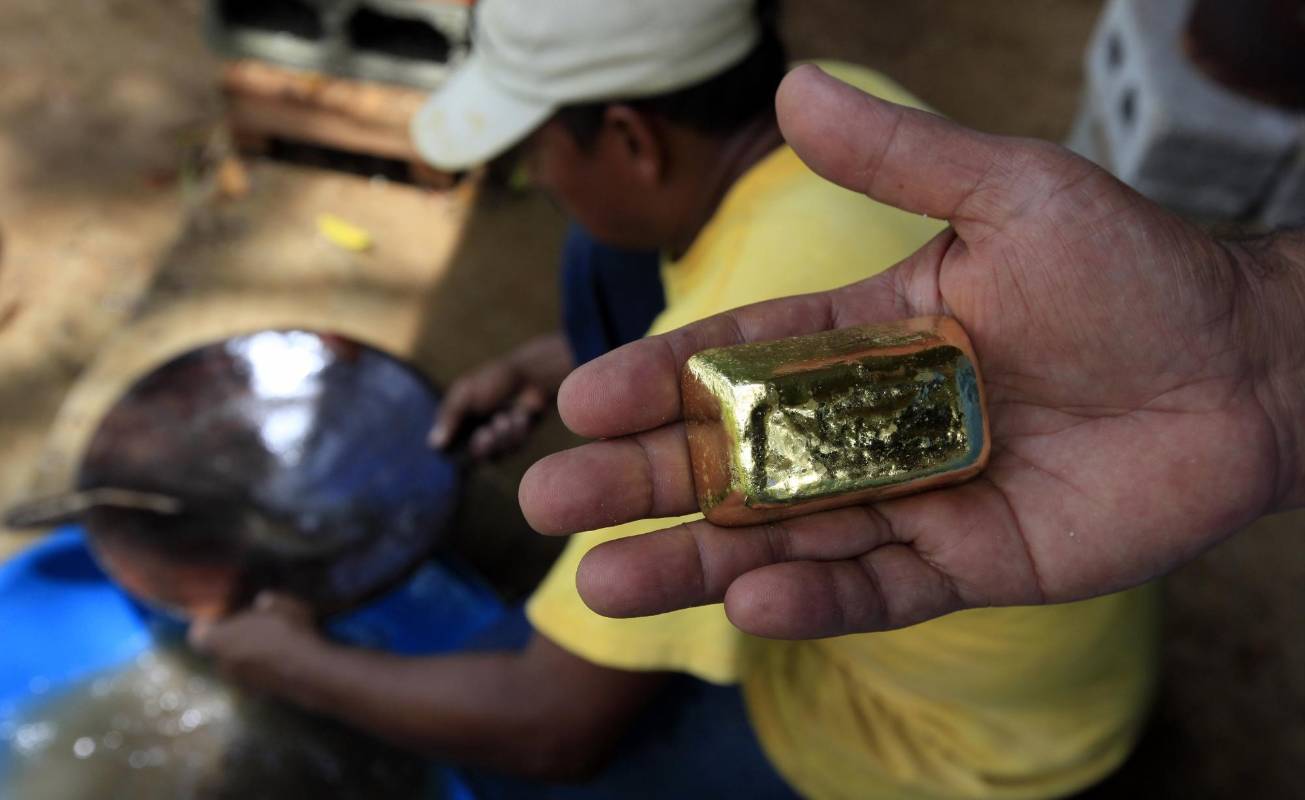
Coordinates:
[265,101]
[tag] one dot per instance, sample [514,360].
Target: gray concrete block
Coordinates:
[413,42]
[1167,129]
[1285,207]
[1087,136]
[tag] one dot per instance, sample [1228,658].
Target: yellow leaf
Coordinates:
[344,234]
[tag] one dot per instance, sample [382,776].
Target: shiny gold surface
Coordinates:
[782,428]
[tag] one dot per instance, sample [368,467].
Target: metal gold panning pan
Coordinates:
[297,462]
[783,428]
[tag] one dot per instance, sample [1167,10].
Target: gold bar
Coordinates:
[784,428]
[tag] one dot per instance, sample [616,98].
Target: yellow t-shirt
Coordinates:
[1000,703]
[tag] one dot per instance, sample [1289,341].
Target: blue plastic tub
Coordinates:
[62,620]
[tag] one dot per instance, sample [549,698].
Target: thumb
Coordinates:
[200,635]
[285,604]
[449,418]
[904,157]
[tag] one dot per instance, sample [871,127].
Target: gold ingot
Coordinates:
[784,428]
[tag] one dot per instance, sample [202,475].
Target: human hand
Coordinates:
[508,394]
[1139,374]
[262,646]
[497,393]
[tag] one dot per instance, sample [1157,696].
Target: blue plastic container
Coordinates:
[62,620]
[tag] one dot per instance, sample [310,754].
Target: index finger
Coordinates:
[449,417]
[637,387]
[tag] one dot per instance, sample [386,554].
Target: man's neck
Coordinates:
[721,162]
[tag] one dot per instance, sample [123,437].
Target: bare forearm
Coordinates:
[1272,327]
[449,705]
[526,712]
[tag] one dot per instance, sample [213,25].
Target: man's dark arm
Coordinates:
[540,712]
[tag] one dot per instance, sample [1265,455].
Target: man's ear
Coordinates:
[639,140]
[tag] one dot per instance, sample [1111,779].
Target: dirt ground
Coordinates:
[115,253]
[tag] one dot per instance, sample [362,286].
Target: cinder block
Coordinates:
[406,41]
[297,33]
[413,42]
[1285,207]
[1161,125]
[1086,136]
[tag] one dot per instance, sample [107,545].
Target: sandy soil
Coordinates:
[114,253]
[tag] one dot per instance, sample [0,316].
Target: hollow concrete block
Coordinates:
[1155,120]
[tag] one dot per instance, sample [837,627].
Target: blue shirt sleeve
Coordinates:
[609,296]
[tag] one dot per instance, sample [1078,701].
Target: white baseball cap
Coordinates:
[531,57]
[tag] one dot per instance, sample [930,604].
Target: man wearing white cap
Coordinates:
[651,122]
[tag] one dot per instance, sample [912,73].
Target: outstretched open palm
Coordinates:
[1129,426]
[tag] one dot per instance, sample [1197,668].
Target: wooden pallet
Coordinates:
[268,104]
